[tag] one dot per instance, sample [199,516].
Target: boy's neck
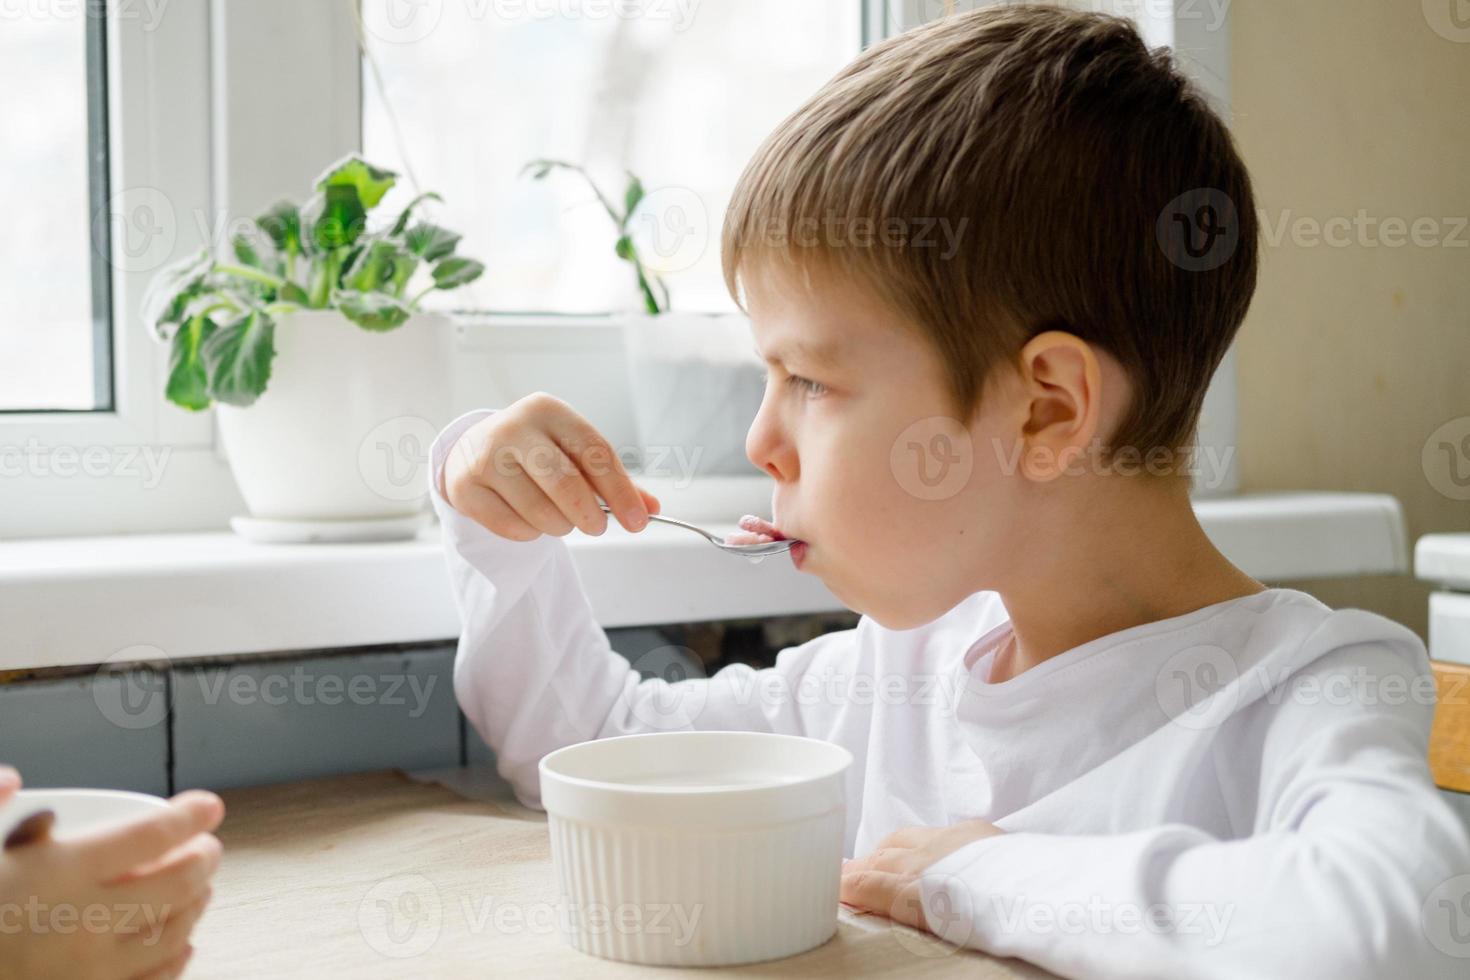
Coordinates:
[1146,561]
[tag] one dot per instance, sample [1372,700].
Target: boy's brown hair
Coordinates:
[1066,178]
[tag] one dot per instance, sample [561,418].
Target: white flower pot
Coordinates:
[696,386]
[343,429]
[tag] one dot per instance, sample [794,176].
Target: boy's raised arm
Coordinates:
[535,672]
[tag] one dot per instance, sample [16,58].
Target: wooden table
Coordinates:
[379,875]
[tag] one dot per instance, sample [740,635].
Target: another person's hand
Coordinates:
[118,904]
[537,468]
[887,881]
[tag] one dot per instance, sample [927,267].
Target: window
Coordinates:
[55,350]
[680,94]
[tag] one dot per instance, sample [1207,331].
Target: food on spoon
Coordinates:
[754,530]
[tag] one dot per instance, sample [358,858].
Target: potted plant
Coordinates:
[694,384]
[329,377]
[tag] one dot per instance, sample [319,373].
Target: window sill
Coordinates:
[76,601]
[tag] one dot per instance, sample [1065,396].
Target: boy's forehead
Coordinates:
[811,320]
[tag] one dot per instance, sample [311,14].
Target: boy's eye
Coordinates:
[811,387]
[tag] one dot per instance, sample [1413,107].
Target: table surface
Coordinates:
[380,875]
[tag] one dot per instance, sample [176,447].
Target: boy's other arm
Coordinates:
[1356,867]
[535,672]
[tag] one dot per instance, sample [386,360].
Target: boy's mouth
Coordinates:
[756,530]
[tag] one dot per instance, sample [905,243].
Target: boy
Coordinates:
[1134,765]
[118,903]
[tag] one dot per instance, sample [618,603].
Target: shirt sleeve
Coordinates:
[1355,866]
[535,672]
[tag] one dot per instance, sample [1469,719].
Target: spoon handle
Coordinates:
[669,520]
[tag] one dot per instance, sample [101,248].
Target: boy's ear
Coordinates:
[1063,385]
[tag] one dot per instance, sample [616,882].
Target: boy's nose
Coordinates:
[766,444]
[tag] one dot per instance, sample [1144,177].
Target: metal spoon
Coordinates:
[748,550]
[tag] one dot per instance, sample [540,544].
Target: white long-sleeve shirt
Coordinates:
[1240,791]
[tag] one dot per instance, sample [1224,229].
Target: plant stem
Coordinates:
[649,299]
[245,272]
[413,304]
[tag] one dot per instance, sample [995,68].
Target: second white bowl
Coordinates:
[697,848]
[79,811]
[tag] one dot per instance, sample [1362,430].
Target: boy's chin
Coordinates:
[890,616]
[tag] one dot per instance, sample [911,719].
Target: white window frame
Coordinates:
[195,104]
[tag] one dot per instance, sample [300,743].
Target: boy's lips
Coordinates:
[759,525]
[759,529]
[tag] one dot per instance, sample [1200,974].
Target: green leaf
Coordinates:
[402,221]
[430,242]
[455,272]
[373,311]
[403,270]
[631,197]
[282,223]
[373,266]
[292,293]
[333,218]
[538,169]
[625,249]
[172,289]
[369,182]
[237,357]
[188,383]
[246,253]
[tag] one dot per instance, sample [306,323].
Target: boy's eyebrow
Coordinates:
[821,354]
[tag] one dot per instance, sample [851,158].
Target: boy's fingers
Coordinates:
[175,920]
[649,501]
[9,782]
[870,889]
[113,853]
[566,486]
[532,505]
[172,969]
[488,509]
[181,879]
[160,944]
[601,465]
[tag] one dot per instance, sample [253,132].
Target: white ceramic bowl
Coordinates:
[697,848]
[78,811]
